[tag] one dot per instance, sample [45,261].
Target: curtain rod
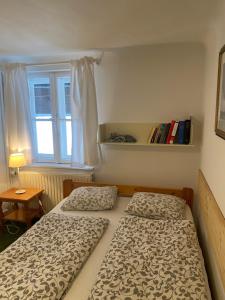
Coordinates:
[52,63]
[96,60]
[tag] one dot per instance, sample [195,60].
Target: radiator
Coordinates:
[51,183]
[4,186]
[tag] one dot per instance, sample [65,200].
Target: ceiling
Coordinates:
[61,27]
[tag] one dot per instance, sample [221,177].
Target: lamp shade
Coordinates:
[17,160]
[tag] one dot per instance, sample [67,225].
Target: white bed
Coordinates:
[81,287]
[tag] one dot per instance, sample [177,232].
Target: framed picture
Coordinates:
[220,101]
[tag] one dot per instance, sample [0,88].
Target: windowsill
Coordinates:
[53,166]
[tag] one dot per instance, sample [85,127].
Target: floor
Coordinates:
[11,232]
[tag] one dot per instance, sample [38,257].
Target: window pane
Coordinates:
[44,137]
[40,96]
[69,137]
[67,98]
[63,95]
[42,99]
[66,139]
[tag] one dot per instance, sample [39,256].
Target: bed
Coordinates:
[87,276]
[81,287]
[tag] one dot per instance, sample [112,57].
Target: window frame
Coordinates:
[57,157]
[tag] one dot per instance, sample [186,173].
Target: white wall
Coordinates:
[213,148]
[147,84]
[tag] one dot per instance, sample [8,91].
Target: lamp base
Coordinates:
[20,191]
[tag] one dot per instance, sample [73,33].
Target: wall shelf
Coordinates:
[147,145]
[140,131]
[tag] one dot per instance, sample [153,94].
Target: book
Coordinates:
[163,130]
[187,131]
[166,132]
[150,135]
[170,132]
[157,135]
[181,132]
[154,134]
[174,131]
[177,134]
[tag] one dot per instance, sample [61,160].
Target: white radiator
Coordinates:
[52,184]
[4,186]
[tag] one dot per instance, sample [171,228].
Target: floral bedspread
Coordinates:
[43,262]
[152,259]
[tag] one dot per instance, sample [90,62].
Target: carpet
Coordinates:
[11,232]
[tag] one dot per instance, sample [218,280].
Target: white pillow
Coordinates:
[91,198]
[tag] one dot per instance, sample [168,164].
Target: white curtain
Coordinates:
[84,113]
[16,96]
[4,171]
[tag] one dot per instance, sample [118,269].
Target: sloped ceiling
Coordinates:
[60,27]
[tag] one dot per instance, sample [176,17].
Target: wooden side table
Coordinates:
[24,214]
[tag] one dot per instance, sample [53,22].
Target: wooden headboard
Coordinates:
[129,190]
[214,224]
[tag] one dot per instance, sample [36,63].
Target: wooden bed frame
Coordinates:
[129,190]
[212,226]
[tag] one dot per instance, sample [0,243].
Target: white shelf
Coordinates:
[140,131]
[147,145]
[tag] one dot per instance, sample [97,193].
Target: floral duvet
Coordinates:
[152,259]
[43,262]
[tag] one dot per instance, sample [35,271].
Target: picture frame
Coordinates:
[220,99]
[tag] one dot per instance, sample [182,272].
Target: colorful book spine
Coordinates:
[176,132]
[154,134]
[157,135]
[181,132]
[166,132]
[173,134]
[161,126]
[163,129]
[170,132]
[176,136]
[150,135]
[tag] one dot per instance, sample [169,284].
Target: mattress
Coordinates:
[85,280]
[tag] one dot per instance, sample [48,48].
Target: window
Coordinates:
[51,116]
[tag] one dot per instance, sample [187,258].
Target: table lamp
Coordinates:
[17,160]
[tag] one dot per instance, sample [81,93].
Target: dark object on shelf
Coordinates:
[179,138]
[166,132]
[121,138]
[187,131]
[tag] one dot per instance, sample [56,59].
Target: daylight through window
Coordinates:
[51,116]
